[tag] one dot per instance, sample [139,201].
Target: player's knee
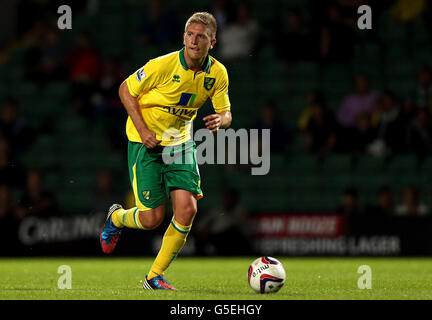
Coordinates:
[151,219]
[186,213]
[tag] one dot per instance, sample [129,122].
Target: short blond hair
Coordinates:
[206,19]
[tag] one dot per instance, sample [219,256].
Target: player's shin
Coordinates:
[127,218]
[173,241]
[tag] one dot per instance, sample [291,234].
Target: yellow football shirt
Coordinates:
[170,94]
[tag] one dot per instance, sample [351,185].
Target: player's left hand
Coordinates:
[213,122]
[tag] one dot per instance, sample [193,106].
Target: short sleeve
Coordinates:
[144,79]
[220,98]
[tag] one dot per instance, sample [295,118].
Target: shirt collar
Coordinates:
[205,66]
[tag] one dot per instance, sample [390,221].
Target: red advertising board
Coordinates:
[299,225]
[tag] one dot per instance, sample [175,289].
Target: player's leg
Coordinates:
[185,208]
[145,177]
[135,218]
[183,182]
[118,218]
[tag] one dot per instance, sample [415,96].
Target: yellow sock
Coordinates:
[173,241]
[127,218]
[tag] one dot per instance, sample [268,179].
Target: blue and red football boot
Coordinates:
[110,233]
[157,283]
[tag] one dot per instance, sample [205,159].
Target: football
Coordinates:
[266,275]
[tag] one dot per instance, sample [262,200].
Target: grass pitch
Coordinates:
[215,279]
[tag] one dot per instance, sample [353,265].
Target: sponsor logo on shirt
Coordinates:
[140,74]
[176,78]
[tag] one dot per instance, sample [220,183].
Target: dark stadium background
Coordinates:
[63,143]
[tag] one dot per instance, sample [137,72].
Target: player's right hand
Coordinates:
[148,138]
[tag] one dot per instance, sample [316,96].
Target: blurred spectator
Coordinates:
[35,199]
[407,13]
[106,103]
[83,65]
[319,126]
[384,114]
[407,10]
[424,88]
[384,205]
[338,31]
[360,138]
[14,127]
[362,100]
[350,205]
[222,11]
[411,204]
[159,25]
[105,99]
[396,133]
[104,195]
[312,98]
[419,134]
[294,41]
[280,135]
[44,59]
[83,61]
[224,229]
[238,39]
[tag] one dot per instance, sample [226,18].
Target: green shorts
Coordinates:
[154,172]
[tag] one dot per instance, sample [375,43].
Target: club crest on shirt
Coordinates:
[140,74]
[209,82]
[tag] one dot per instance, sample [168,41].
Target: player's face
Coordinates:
[197,41]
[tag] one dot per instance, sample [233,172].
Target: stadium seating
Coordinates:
[72,155]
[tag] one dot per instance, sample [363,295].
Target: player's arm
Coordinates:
[218,120]
[221,104]
[132,107]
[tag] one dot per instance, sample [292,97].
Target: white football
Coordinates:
[266,275]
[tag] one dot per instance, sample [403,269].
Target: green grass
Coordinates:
[215,279]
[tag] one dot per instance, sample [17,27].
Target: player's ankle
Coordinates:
[115,219]
[152,275]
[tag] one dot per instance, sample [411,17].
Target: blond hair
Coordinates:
[206,19]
